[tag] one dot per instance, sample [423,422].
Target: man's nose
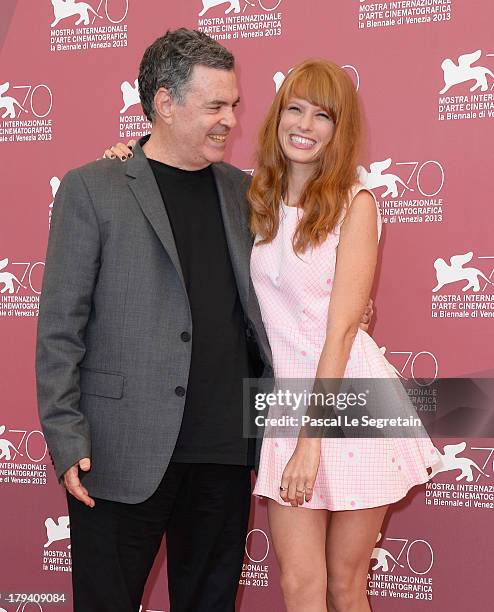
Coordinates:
[229,118]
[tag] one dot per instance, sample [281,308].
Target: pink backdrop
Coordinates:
[67,92]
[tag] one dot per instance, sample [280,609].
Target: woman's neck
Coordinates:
[298,174]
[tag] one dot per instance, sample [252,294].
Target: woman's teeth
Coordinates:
[303,141]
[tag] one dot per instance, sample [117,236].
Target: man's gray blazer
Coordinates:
[110,360]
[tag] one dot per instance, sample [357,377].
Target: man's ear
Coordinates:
[163,104]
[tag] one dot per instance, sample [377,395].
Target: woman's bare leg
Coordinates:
[299,540]
[351,537]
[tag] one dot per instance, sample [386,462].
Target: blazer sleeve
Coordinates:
[72,264]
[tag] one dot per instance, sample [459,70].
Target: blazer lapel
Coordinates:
[144,187]
[237,235]
[240,243]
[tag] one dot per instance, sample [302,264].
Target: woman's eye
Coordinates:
[295,108]
[323,115]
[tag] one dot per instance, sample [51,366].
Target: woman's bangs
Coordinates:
[315,86]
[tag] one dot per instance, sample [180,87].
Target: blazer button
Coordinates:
[185,336]
[180,391]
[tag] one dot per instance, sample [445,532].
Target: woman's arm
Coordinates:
[355,266]
[354,275]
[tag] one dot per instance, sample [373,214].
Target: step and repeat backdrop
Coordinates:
[425,73]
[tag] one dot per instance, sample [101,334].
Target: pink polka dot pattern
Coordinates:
[353,474]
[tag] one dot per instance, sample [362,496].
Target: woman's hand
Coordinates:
[299,475]
[120,150]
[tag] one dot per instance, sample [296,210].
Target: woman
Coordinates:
[312,265]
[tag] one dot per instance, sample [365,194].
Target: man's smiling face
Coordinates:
[202,123]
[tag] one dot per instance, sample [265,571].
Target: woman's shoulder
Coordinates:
[359,188]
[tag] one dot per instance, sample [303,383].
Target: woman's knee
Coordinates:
[345,589]
[303,585]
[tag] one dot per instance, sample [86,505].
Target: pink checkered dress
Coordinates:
[294,293]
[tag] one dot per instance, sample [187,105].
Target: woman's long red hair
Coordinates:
[326,192]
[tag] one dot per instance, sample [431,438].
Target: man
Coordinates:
[146,330]
[148,324]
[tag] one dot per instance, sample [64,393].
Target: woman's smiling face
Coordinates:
[304,131]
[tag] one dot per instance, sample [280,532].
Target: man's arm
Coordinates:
[72,265]
[367,316]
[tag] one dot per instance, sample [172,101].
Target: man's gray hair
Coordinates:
[169,61]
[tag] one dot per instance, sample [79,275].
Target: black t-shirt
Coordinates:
[211,430]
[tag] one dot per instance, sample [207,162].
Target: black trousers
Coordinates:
[202,507]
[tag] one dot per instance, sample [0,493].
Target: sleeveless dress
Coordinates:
[294,293]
